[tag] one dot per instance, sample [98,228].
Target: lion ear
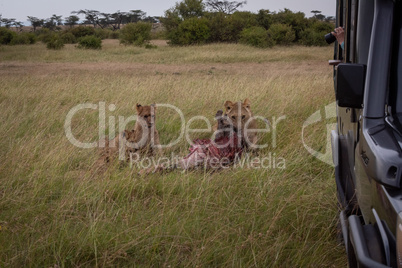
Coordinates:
[246,103]
[228,105]
[153,105]
[139,108]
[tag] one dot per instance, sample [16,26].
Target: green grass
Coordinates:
[56,211]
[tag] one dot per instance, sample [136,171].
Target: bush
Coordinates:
[45,35]
[32,38]
[23,39]
[90,42]
[219,26]
[239,21]
[55,42]
[6,35]
[81,31]
[136,34]
[102,33]
[281,34]
[68,38]
[314,36]
[256,36]
[190,31]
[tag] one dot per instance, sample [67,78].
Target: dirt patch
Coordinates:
[251,69]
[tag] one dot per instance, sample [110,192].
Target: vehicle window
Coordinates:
[395,96]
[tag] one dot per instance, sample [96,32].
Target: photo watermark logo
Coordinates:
[241,123]
[330,113]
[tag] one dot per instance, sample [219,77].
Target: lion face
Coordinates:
[238,114]
[146,114]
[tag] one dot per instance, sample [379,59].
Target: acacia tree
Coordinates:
[8,22]
[71,20]
[35,22]
[318,15]
[226,7]
[136,15]
[52,22]
[91,16]
[117,19]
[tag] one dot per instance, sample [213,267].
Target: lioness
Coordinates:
[143,139]
[240,116]
[223,151]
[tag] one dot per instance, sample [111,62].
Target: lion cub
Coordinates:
[143,139]
[239,115]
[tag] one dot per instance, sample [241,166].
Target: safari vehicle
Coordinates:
[367,144]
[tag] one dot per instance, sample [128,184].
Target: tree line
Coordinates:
[91,17]
[198,22]
[186,23]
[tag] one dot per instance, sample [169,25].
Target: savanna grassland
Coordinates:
[56,211]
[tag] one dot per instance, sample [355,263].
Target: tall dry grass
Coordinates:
[54,211]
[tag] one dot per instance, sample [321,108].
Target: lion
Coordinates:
[241,118]
[142,139]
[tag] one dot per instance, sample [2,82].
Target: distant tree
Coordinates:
[71,20]
[53,22]
[150,19]
[318,15]
[91,16]
[8,22]
[296,20]
[190,8]
[105,19]
[57,19]
[136,15]
[18,25]
[35,22]
[264,18]
[315,12]
[227,7]
[118,18]
[137,34]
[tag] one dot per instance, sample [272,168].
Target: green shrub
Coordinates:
[314,35]
[219,26]
[102,33]
[20,39]
[68,38]
[90,42]
[81,31]
[45,35]
[6,36]
[256,36]
[136,34]
[296,20]
[32,38]
[239,21]
[190,31]
[281,34]
[55,42]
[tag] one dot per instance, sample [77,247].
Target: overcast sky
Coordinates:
[46,8]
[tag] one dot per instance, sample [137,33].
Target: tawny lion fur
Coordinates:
[142,139]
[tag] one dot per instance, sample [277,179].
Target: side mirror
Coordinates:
[350,79]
